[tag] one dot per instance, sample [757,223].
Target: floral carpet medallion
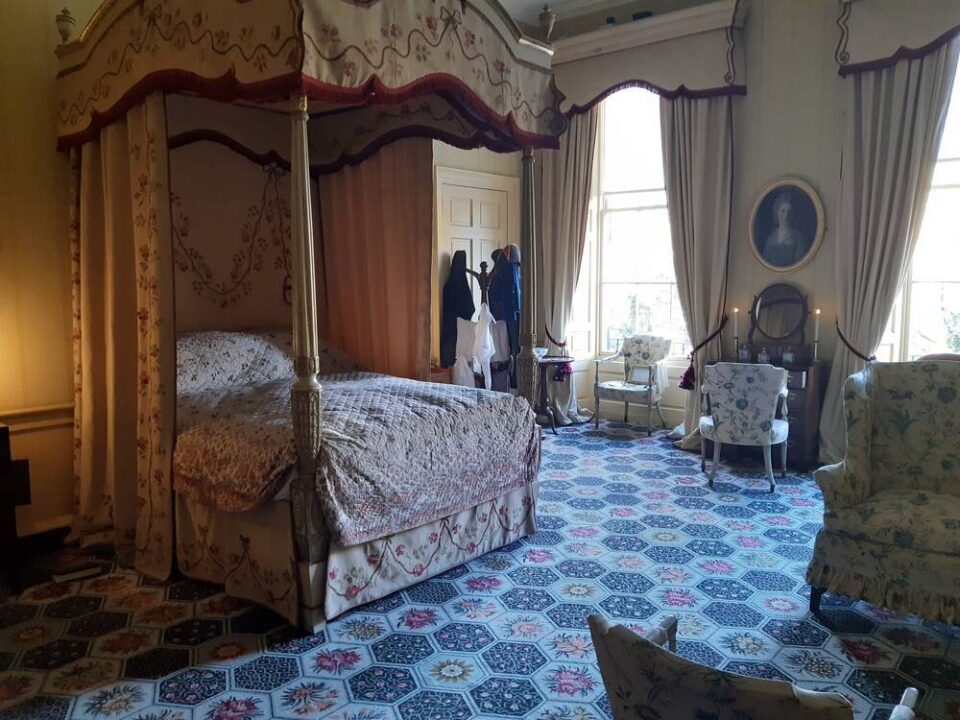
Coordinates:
[627,528]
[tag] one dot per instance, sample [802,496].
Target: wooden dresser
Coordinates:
[805,388]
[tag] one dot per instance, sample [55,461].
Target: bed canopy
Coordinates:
[311,86]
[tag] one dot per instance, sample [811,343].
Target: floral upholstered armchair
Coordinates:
[644,376]
[745,405]
[891,519]
[646,682]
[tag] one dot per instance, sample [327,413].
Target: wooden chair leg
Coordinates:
[815,595]
[596,411]
[716,460]
[783,459]
[660,413]
[649,418]
[768,464]
[703,454]
[626,412]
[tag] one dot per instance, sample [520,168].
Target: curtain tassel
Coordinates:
[688,381]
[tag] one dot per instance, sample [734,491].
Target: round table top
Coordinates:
[555,360]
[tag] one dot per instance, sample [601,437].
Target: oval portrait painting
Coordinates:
[786,225]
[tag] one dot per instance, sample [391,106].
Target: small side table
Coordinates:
[543,408]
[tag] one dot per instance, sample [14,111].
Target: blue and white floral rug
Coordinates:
[628,528]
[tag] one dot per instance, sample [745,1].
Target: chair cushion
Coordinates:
[621,390]
[906,518]
[779,431]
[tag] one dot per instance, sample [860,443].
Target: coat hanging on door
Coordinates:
[457,303]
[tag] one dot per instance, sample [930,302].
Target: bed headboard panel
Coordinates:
[230,207]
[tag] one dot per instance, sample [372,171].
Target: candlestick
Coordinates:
[816,325]
[736,323]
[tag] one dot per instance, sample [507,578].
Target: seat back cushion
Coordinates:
[915,426]
[743,400]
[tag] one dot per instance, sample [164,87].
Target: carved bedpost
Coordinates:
[526,359]
[306,392]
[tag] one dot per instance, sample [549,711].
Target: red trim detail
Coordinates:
[227,88]
[902,53]
[272,157]
[681,91]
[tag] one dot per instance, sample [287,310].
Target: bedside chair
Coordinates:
[891,507]
[643,680]
[644,376]
[745,404]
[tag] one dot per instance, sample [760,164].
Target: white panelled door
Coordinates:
[477,213]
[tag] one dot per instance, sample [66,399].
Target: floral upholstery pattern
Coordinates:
[742,403]
[646,682]
[891,532]
[640,353]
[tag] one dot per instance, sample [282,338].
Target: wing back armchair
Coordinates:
[643,680]
[644,376]
[743,402]
[891,520]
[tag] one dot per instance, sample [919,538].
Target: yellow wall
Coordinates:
[35,352]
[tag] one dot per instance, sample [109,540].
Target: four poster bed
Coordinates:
[267,460]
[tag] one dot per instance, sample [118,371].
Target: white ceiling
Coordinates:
[528,10]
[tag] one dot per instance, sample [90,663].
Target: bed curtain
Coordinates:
[123,333]
[377,220]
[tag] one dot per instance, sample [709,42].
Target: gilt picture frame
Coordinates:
[786,224]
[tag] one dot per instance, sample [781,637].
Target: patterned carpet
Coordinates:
[628,528]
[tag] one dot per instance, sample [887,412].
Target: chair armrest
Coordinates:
[609,358]
[841,488]
[859,423]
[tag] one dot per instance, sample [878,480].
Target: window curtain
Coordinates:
[894,121]
[565,181]
[377,220]
[697,137]
[124,340]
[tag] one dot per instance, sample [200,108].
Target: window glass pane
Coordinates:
[937,255]
[639,308]
[632,156]
[934,318]
[636,246]
[628,200]
[950,144]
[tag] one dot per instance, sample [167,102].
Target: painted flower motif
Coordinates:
[632,562]
[234,708]
[484,583]
[743,644]
[691,625]
[865,651]
[114,701]
[571,646]
[716,567]
[815,663]
[622,512]
[110,584]
[13,686]
[418,618]
[452,671]
[495,562]
[538,556]
[363,629]
[30,634]
[309,698]
[224,605]
[584,532]
[578,590]
[740,525]
[139,600]
[885,614]
[474,608]
[228,651]
[672,574]
[570,681]
[665,536]
[679,597]
[781,605]
[750,542]
[163,614]
[657,495]
[914,639]
[778,520]
[524,627]
[585,550]
[51,591]
[126,642]
[336,661]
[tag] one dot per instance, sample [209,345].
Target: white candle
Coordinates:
[816,325]
[736,322]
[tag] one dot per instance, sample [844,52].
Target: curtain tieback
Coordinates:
[563,371]
[851,348]
[688,381]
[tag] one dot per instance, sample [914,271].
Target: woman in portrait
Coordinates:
[785,245]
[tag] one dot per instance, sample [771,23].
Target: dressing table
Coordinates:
[778,328]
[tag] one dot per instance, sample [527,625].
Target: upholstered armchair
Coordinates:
[644,376]
[643,680]
[891,519]
[744,405]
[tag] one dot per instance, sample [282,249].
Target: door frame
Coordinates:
[443,175]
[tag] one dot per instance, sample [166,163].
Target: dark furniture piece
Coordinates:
[543,409]
[14,490]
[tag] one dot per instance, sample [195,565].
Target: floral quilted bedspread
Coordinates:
[396,453]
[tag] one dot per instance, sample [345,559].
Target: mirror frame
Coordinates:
[801,324]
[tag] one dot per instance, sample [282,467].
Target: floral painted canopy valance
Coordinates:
[489,85]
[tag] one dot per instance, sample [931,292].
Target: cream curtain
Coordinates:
[565,181]
[377,220]
[697,137]
[124,345]
[894,122]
